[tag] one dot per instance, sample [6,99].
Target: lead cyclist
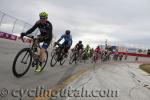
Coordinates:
[46,35]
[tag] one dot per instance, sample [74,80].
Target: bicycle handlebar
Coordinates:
[29,36]
[56,43]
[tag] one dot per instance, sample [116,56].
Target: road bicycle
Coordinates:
[26,57]
[75,57]
[58,55]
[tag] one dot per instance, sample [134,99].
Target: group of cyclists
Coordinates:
[46,29]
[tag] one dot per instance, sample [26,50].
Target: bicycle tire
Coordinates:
[52,52]
[71,59]
[15,73]
[45,61]
[56,60]
[63,60]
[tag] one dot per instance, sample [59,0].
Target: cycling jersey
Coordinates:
[87,49]
[45,28]
[79,46]
[68,40]
[67,43]
[97,50]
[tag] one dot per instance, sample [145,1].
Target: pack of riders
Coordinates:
[46,29]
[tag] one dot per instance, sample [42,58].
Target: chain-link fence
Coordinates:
[12,25]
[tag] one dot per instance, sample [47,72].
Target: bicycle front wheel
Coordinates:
[74,58]
[54,59]
[22,62]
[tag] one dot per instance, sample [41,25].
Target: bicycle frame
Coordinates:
[28,58]
[59,51]
[33,49]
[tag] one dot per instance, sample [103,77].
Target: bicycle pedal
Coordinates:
[34,64]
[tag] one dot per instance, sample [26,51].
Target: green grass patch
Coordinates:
[145,67]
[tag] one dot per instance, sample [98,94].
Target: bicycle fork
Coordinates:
[25,62]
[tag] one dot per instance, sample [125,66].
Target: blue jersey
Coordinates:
[67,38]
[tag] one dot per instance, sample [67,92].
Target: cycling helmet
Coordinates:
[80,42]
[43,15]
[67,32]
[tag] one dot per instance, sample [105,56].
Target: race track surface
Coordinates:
[125,76]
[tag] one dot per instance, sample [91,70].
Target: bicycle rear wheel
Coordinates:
[45,62]
[24,56]
[62,61]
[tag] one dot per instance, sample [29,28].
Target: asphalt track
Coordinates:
[67,75]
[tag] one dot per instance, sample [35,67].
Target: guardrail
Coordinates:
[12,25]
[8,36]
[135,54]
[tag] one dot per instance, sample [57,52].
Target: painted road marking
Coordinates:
[53,91]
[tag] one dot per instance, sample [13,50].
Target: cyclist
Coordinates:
[79,46]
[87,50]
[67,41]
[120,56]
[91,52]
[116,55]
[98,49]
[46,35]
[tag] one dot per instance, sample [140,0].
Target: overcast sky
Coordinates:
[121,22]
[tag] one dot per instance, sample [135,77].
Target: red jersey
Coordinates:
[97,50]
